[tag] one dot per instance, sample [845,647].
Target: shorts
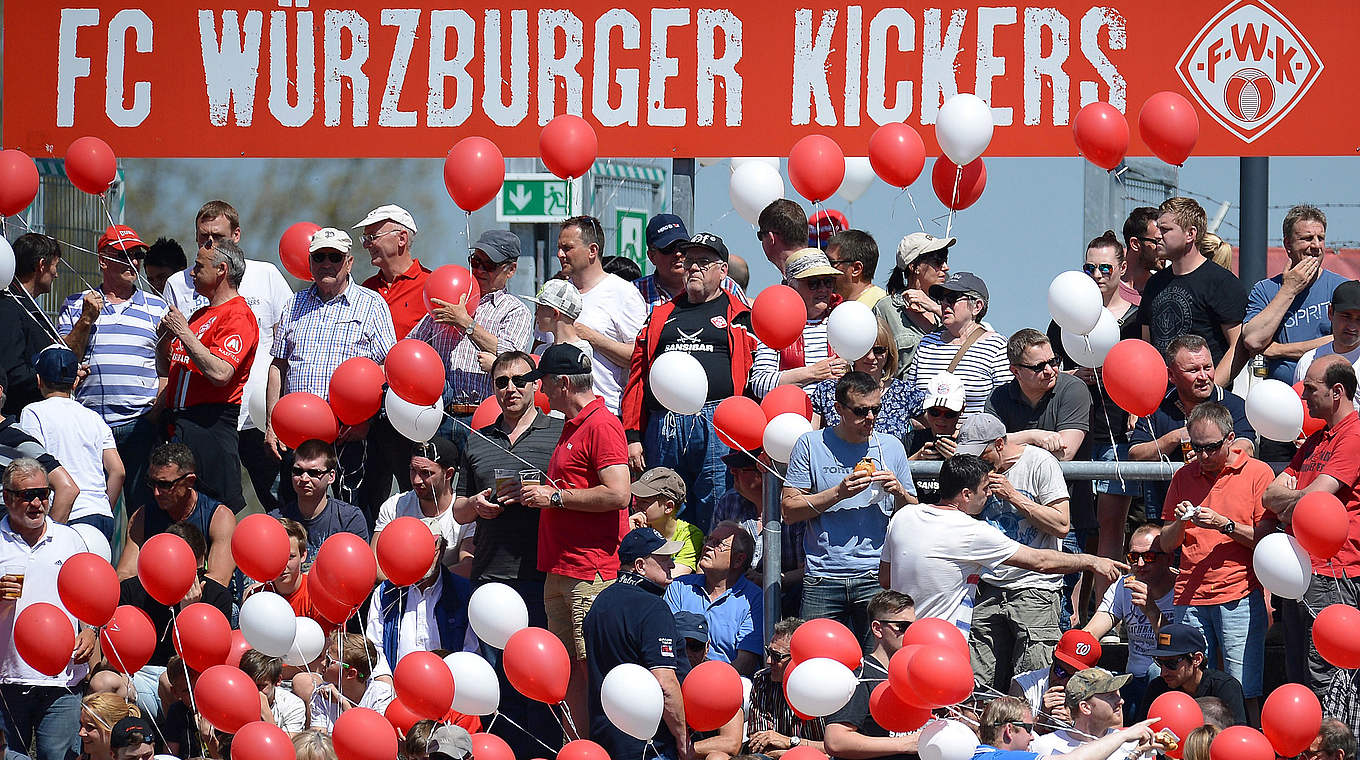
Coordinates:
[1104,452]
[566,602]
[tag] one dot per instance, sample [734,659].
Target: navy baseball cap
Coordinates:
[665,230]
[691,625]
[643,542]
[56,365]
[1178,639]
[131,731]
[961,282]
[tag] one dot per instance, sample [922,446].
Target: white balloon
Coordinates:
[820,686]
[632,700]
[1273,409]
[782,433]
[754,186]
[964,128]
[268,623]
[770,161]
[851,330]
[495,612]
[95,542]
[679,382]
[1282,565]
[255,400]
[746,694]
[6,263]
[859,177]
[1074,301]
[1090,350]
[415,422]
[476,691]
[307,643]
[946,740]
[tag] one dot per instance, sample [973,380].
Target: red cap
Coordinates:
[120,236]
[824,224]
[1078,649]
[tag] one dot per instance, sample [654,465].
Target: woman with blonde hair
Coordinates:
[313,745]
[99,713]
[901,400]
[1198,741]
[1217,250]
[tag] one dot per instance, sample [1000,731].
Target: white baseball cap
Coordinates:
[946,390]
[330,238]
[390,212]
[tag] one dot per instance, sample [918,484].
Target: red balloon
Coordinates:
[406,550]
[357,389]
[1178,712]
[1334,636]
[824,637]
[581,749]
[415,371]
[260,547]
[91,165]
[44,638]
[166,567]
[712,694]
[740,423]
[294,249]
[18,181]
[202,636]
[568,146]
[778,316]
[239,646]
[816,167]
[1290,717]
[892,713]
[537,665]
[1311,424]
[227,697]
[786,398]
[128,639]
[1135,376]
[449,284]
[300,416]
[345,565]
[88,587]
[897,154]
[490,747]
[1167,122]
[400,716]
[261,741]
[940,676]
[424,682]
[935,631]
[1246,743]
[332,610]
[1102,134]
[486,413]
[971,182]
[362,734]
[474,171]
[804,753]
[1320,524]
[899,677]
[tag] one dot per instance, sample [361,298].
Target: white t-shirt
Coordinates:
[1038,475]
[1301,369]
[78,437]
[407,504]
[1063,741]
[1118,602]
[325,712]
[41,564]
[937,555]
[615,309]
[267,294]
[290,712]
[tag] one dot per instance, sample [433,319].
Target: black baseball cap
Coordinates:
[739,458]
[1178,639]
[961,282]
[1346,297]
[131,731]
[644,542]
[560,359]
[665,230]
[56,365]
[438,450]
[707,240]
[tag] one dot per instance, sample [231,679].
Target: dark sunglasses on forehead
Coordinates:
[1105,269]
[504,381]
[335,257]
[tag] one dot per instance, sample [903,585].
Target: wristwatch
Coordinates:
[1228,528]
[555,500]
[794,741]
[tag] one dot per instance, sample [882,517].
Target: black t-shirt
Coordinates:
[1214,683]
[20,341]
[1198,303]
[700,330]
[926,486]
[856,712]
[629,622]
[1107,414]
[130,592]
[179,727]
[506,547]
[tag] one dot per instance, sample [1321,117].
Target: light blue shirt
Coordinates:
[121,352]
[847,539]
[734,619]
[1306,319]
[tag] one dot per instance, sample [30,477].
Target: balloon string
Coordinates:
[104,204]
[912,200]
[573,734]
[46,321]
[1118,473]
[497,715]
[954,199]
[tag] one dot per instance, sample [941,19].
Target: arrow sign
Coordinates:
[520,197]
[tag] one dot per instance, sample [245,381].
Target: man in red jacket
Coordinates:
[708,324]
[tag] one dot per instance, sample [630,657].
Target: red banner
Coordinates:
[292,78]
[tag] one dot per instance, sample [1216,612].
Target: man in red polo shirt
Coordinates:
[1328,461]
[584,503]
[207,360]
[388,233]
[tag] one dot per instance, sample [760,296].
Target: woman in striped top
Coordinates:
[810,359]
[983,365]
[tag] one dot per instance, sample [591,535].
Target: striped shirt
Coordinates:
[655,295]
[499,313]
[765,370]
[770,711]
[315,336]
[983,369]
[121,352]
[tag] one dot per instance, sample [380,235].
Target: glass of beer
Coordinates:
[15,570]
[530,478]
[1186,451]
[502,478]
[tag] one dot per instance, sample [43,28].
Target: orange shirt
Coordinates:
[301,602]
[405,296]
[1215,569]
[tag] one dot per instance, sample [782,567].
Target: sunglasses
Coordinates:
[939,411]
[820,283]
[1208,448]
[879,351]
[898,627]
[695,646]
[334,257]
[1027,725]
[776,655]
[1055,362]
[1169,663]
[1147,556]
[367,240]
[28,494]
[1154,242]
[865,411]
[504,381]
[1105,269]
[165,485]
[485,266]
[311,473]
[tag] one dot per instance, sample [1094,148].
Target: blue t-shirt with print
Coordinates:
[847,539]
[1306,319]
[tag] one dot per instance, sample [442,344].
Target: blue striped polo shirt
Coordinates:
[121,353]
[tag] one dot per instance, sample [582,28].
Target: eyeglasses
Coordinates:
[820,283]
[879,351]
[865,411]
[701,264]
[1147,556]
[898,627]
[1055,362]
[334,257]
[1208,448]
[717,546]
[165,485]
[1154,242]
[774,654]
[939,411]
[1105,269]
[760,235]
[504,381]
[1169,663]
[838,262]
[949,297]
[367,240]
[485,266]
[28,494]
[332,661]
[311,473]
[935,259]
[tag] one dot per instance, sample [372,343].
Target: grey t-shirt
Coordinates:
[1066,407]
[1038,476]
[336,517]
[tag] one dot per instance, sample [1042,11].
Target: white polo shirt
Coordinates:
[44,560]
